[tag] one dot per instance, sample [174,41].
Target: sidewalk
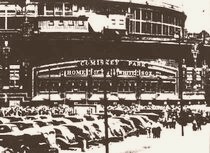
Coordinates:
[192,141]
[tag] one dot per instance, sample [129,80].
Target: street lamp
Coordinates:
[89,83]
[6,50]
[180,79]
[105,70]
[138,89]
[195,53]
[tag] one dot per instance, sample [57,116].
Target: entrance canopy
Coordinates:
[76,96]
[96,97]
[128,96]
[51,97]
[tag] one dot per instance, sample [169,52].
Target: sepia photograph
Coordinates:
[104,76]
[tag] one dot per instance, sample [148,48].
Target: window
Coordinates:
[156,29]
[138,27]
[121,86]
[156,16]
[11,11]
[49,9]
[171,31]
[2,11]
[165,30]
[113,21]
[132,26]
[68,7]
[138,14]
[146,27]
[87,8]
[75,8]
[166,18]
[40,9]
[146,15]
[51,23]
[58,9]
[122,22]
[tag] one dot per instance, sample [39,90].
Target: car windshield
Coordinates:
[14,119]
[23,126]
[40,123]
[75,119]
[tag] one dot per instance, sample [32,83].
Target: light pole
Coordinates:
[6,50]
[195,53]
[180,80]
[138,89]
[105,107]
[89,89]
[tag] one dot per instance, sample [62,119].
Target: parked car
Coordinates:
[36,143]
[10,137]
[14,118]
[22,125]
[128,125]
[64,137]
[82,136]
[61,121]
[4,120]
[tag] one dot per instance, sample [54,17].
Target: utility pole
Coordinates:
[180,81]
[105,107]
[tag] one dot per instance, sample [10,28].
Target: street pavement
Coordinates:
[171,141]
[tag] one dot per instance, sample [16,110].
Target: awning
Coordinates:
[193,97]
[148,96]
[96,97]
[128,96]
[167,96]
[75,96]
[51,97]
[112,97]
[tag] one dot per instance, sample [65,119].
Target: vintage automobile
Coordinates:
[22,125]
[127,124]
[30,141]
[82,136]
[4,120]
[10,137]
[64,137]
[74,118]
[36,143]
[14,118]
[60,121]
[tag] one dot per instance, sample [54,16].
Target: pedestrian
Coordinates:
[158,130]
[194,125]
[154,132]
[149,130]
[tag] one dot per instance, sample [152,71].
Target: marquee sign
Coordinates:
[112,62]
[99,72]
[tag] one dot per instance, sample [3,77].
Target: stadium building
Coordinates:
[59,51]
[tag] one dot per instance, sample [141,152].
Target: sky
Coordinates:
[198,14]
